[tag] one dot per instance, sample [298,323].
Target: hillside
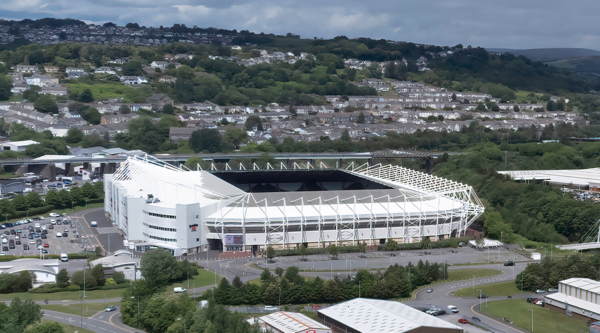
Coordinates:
[549,54]
[580,65]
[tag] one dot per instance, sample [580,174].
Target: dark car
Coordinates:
[439,313]
[11,245]
[44,236]
[13,232]
[44,251]
[58,222]
[38,242]
[51,227]
[65,234]
[18,242]
[25,247]
[482,296]
[44,231]
[531,299]
[6,232]
[5,248]
[30,236]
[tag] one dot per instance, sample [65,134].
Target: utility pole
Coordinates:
[531,319]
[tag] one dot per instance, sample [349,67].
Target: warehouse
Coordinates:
[364,315]
[289,322]
[576,297]
[158,205]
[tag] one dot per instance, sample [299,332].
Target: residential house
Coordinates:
[26,68]
[57,91]
[184,56]
[159,64]
[133,80]
[117,118]
[177,134]
[19,88]
[42,80]
[74,72]
[105,70]
[167,79]
[158,101]
[51,69]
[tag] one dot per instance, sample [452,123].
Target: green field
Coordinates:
[66,295]
[204,278]
[104,91]
[496,289]
[469,273]
[66,327]
[518,312]
[89,309]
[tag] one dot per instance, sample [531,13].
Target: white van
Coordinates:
[52,222]
[452,309]
[178,289]
[64,257]
[37,225]
[54,215]
[58,234]
[94,224]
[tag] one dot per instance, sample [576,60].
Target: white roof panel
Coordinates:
[291,322]
[372,315]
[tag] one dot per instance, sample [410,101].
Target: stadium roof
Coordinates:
[581,177]
[291,322]
[372,315]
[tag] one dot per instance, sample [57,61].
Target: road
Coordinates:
[101,322]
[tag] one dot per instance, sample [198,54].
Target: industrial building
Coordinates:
[156,204]
[582,179]
[576,297]
[45,270]
[289,322]
[364,315]
[17,145]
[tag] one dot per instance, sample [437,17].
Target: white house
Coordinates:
[26,68]
[159,64]
[105,70]
[133,80]
[17,145]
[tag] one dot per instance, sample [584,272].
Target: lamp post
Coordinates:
[479,299]
[358,289]
[28,213]
[522,274]
[194,290]
[531,319]
[279,299]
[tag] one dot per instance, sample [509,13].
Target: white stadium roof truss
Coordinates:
[418,192]
[413,201]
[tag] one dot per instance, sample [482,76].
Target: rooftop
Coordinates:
[291,322]
[372,315]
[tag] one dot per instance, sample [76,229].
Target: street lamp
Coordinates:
[479,299]
[522,274]
[531,319]
[279,298]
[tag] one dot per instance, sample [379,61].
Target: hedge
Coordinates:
[79,255]
[32,212]
[47,290]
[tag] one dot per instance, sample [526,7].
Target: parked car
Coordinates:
[439,313]
[429,290]
[46,245]
[53,214]
[463,321]
[110,308]
[482,296]
[540,291]
[44,251]
[65,234]
[552,290]
[179,289]
[452,308]
[270,308]
[50,227]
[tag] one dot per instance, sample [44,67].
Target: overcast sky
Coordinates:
[506,24]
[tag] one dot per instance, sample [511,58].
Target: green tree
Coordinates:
[79,278]
[303,250]
[390,245]
[333,250]
[92,116]
[98,274]
[86,96]
[119,277]
[124,109]
[74,135]
[76,194]
[234,137]
[34,200]
[18,315]
[158,267]
[331,69]
[279,271]
[270,253]
[62,278]
[46,104]
[361,118]
[252,122]
[47,327]
[266,276]
[345,136]
[19,202]
[52,198]
[168,109]
[208,140]
[87,190]
[193,162]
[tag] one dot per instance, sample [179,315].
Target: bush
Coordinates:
[114,286]
[32,212]
[52,288]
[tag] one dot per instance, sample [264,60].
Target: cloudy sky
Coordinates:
[506,24]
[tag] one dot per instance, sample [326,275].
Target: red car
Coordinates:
[463,321]
[51,227]
[46,245]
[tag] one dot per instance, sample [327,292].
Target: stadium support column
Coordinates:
[69,170]
[23,169]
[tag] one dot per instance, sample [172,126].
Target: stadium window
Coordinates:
[160,228]
[162,215]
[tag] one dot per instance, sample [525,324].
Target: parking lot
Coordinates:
[70,240]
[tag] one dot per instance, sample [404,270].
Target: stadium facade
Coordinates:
[156,204]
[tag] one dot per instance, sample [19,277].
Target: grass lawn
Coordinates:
[517,311]
[469,273]
[104,91]
[89,309]
[66,327]
[204,278]
[496,289]
[66,295]
[15,98]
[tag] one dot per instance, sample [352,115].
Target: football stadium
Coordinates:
[158,205]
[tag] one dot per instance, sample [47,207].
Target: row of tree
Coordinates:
[25,317]
[547,273]
[292,288]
